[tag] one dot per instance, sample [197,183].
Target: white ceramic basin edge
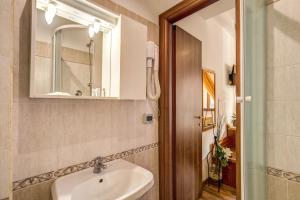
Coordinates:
[121,180]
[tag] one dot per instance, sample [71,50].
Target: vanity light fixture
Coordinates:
[91,31]
[97,26]
[50,12]
[105,24]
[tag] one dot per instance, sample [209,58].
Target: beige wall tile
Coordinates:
[293,153]
[38,192]
[285,83]
[59,132]
[270,83]
[283,33]
[48,133]
[283,110]
[277,188]
[22,13]
[40,127]
[4,127]
[146,133]
[31,164]
[5,24]
[20,87]
[123,126]
[5,173]
[5,79]
[74,55]
[283,117]
[277,151]
[293,190]
[84,122]
[78,153]
[5,91]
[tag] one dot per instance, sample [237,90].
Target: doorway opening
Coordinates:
[216,25]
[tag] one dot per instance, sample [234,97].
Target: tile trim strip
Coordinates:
[291,176]
[20,184]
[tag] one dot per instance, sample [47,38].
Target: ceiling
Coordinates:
[151,9]
[217,9]
[222,11]
[159,6]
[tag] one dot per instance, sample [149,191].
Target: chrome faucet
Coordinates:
[99,165]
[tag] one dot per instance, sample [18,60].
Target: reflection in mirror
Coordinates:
[209,98]
[72,51]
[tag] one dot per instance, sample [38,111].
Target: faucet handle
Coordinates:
[99,160]
[103,166]
[99,165]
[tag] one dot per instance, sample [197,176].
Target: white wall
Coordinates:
[218,52]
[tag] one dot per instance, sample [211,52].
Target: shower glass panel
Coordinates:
[254,111]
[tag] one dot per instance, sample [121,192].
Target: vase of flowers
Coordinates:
[220,155]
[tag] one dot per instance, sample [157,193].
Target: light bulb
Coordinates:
[91,31]
[48,18]
[97,26]
[51,9]
[50,12]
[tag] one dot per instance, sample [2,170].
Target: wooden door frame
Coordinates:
[167,106]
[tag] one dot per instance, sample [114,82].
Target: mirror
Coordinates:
[209,99]
[72,49]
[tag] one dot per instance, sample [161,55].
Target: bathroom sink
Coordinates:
[120,180]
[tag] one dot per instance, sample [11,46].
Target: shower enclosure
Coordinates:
[254,106]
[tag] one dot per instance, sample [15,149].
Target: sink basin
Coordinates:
[120,180]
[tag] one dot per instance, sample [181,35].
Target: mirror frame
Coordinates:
[214,111]
[82,5]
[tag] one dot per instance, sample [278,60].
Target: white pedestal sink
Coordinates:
[121,180]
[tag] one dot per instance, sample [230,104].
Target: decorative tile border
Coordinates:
[17,185]
[291,176]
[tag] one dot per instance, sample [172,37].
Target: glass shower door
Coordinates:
[254,107]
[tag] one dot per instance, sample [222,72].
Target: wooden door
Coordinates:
[187,76]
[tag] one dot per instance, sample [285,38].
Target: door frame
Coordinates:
[167,99]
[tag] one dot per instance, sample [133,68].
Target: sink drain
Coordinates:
[101,180]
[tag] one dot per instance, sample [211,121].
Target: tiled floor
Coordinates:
[211,193]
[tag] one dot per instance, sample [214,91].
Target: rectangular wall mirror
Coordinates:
[209,99]
[76,51]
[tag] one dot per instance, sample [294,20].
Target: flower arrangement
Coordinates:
[220,154]
[223,155]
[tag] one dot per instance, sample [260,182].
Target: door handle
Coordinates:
[200,119]
[239,99]
[243,99]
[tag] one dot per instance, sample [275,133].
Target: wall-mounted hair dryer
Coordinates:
[153,87]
